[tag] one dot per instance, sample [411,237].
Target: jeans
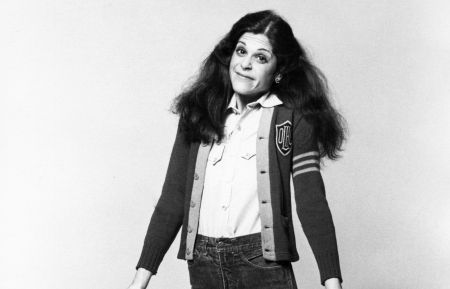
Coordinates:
[237,263]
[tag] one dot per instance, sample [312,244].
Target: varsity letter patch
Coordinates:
[283,135]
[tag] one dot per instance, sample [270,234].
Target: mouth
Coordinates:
[243,76]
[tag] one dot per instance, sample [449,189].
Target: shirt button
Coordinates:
[189,229]
[192,204]
[224,207]
[188,251]
[196,177]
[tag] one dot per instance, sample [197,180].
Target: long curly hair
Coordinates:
[303,86]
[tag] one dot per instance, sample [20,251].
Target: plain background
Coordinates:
[85,88]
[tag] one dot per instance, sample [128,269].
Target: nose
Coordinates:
[246,63]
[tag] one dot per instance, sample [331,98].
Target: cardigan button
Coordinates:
[188,251]
[196,177]
[189,229]
[192,204]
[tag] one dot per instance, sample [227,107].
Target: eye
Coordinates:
[240,51]
[261,58]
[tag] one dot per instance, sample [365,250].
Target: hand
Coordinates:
[134,286]
[141,279]
[333,283]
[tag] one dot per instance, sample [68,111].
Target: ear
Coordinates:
[278,77]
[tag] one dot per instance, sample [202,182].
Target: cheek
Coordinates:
[233,63]
[265,78]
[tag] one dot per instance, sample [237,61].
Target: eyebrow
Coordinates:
[271,53]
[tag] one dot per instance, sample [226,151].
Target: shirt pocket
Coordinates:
[248,149]
[216,153]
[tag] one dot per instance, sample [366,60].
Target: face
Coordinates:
[253,65]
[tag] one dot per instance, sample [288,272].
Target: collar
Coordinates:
[267,100]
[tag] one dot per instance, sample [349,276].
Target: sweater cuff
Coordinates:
[329,267]
[151,258]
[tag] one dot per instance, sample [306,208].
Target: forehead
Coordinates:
[257,41]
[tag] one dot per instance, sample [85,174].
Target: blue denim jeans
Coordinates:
[236,263]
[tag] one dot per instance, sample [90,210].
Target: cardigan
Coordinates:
[286,147]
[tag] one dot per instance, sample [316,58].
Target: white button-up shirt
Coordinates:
[230,206]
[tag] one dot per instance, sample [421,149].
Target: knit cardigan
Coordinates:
[286,147]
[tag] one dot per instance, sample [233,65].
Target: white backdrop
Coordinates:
[85,134]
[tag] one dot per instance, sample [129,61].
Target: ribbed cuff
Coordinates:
[329,266]
[151,258]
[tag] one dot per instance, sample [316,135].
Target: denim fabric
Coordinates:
[236,263]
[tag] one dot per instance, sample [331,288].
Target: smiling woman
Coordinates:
[257,116]
[252,67]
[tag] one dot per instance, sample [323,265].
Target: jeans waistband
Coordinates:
[251,240]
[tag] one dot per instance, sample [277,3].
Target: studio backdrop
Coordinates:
[86,135]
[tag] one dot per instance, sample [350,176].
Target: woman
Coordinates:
[257,115]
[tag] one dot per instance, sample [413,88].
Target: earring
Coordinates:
[278,78]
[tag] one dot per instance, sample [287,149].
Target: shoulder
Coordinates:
[299,120]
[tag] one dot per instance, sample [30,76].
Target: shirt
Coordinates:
[230,205]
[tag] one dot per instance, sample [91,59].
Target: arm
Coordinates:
[312,206]
[169,211]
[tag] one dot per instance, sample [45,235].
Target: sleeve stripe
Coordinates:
[304,155]
[311,169]
[302,163]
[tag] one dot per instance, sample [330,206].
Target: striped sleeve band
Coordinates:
[305,162]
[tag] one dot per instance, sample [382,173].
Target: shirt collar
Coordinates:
[266,100]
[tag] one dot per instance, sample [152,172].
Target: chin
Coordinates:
[248,92]
[244,89]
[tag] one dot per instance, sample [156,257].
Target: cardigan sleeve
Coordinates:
[312,206]
[167,217]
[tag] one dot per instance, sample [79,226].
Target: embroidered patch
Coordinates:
[283,137]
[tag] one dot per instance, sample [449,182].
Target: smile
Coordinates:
[243,76]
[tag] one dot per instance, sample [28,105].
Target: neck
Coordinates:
[243,100]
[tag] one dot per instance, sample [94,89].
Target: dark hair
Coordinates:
[203,104]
